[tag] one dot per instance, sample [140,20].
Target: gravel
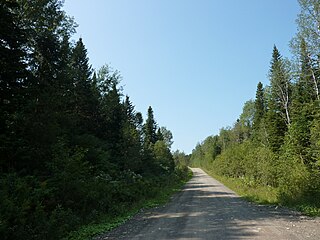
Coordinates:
[206,209]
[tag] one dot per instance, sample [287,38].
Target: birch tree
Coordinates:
[280,84]
[308,36]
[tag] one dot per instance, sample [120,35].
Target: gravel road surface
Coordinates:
[206,209]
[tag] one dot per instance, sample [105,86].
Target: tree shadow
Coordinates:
[205,210]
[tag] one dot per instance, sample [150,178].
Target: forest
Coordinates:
[273,148]
[73,149]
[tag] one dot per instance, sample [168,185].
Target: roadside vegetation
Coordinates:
[272,152]
[73,149]
[174,183]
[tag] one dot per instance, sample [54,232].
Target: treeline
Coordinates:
[72,148]
[276,140]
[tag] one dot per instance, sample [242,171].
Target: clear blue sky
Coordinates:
[196,62]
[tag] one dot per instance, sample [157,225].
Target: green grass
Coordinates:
[310,210]
[255,193]
[263,194]
[108,223]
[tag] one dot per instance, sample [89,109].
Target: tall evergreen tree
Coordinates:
[84,102]
[150,128]
[113,118]
[45,27]
[298,137]
[13,77]
[12,56]
[280,85]
[277,117]
[259,105]
[305,89]
[70,147]
[308,38]
[131,138]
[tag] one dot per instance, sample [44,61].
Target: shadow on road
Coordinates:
[206,209]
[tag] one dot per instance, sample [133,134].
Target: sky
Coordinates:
[196,62]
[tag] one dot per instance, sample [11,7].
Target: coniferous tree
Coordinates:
[71,148]
[13,81]
[150,128]
[280,85]
[284,150]
[45,27]
[159,135]
[277,116]
[129,110]
[131,138]
[308,37]
[304,91]
[12,56]
[259,105]
[113,119]
[84,100]
[298,139]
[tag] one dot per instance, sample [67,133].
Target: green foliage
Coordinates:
[150,128]
[72,150]
[163,190]
[181,159]
[272,152]
[257,193]
[163,156]
[259,106]
[278,116]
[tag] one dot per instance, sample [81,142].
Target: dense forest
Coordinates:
[275,143]
[72,147]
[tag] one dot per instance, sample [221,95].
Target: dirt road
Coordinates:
[206,209]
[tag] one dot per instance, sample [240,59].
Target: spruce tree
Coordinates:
[84,101]
[280,85]
[13,81]
[159,135]
[307,37]
[259,105]
[45,27]
[12,56]
[277,117]
[131,145]
[303,91]
[298,139]
[150,128]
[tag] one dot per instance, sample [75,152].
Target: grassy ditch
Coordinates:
[107,223]
[263,194]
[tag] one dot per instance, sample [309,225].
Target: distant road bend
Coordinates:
[206,209]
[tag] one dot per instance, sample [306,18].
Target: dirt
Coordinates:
[206,209]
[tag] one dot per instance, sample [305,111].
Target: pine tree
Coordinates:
[304,91]
[130,112]
[159,135]
[37,125]
[259,105]
[113,118]
[298,139]
[280,85]
[277,117]
[131,145]
[84,97]
[306,43]
[150,128]
[13,81]
[12,55]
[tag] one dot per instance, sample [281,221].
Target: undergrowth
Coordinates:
[264,194]
[108,223]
